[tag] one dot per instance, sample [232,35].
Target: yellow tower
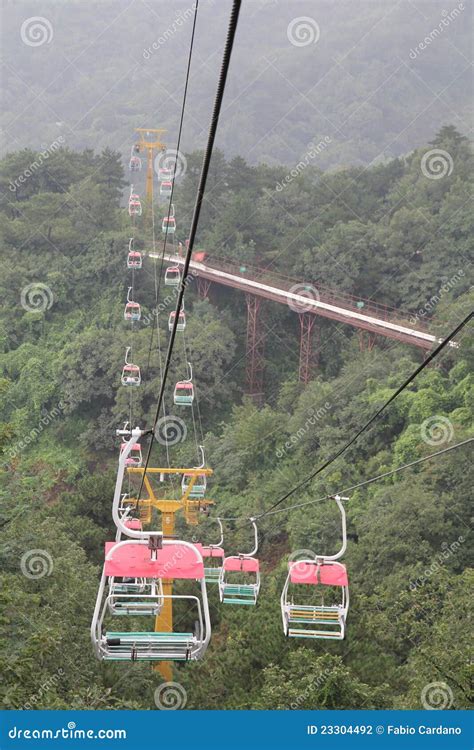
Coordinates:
[168,507]
[149,143]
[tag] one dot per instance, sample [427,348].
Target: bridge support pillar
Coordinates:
[203,286]
[255,349]
[366,340]
[307,321]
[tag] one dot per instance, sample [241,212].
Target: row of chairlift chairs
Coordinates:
[134,568]
[165,175]
[135,208]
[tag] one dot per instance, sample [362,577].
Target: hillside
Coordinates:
[92,72]
[388,233]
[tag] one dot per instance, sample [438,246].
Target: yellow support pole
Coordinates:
[149,142]
[164,621]
[168,507]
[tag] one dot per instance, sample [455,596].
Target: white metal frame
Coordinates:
[242,556]
[341,609]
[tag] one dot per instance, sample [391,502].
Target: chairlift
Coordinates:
[239,579]
[184,390]
[130,373]
[132,309]
[322,575]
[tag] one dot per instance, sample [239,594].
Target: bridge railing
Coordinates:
[323,293]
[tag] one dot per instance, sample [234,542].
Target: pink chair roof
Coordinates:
[134,254]
[210,551]
[135,447]
[134,523]
[327,574]
[244,564]
[172,269]
[131,368]
[184,385]
[134,561]
[132,304]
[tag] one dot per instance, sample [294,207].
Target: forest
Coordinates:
[384,232]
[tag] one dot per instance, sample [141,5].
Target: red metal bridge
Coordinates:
[306,300]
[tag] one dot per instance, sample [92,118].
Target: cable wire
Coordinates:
[366,481]
[232,28]
[372,419]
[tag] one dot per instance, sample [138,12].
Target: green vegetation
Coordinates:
[387,232]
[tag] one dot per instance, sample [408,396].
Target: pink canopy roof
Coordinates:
[328,574]
[134,523]
[210,551]
[134,561]
[135,447]
[184,385]
[245,564]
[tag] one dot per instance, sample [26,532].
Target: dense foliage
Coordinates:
[387,233]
